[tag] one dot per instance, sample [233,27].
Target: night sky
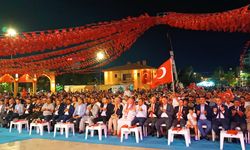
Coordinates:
[203,50]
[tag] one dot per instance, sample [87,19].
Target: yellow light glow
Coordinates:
[11,32]
[100,55]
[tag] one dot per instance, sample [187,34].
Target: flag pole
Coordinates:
[174,71]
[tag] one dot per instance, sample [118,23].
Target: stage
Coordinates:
[15,141]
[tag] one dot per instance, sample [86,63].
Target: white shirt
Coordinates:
[180,108]
[57,107]
[229,105]
[220,115]
[104,111]
[143,113]
[67,112]
[202,115]
[164,114]
[192,118]
[127,93]
[27,107]
[130,115]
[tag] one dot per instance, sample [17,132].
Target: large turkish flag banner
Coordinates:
[164,74]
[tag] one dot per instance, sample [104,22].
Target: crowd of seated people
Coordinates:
[147,108]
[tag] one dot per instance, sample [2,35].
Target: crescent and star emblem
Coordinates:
[164,71]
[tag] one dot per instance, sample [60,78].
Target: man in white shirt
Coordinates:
[141,113]
[47,110]
[127,92]
[228,102]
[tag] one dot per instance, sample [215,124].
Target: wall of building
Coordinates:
[116,77]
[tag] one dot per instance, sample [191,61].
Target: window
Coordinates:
[115,75]
[126,77]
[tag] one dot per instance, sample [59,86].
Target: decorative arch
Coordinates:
[7,78]
[26,78]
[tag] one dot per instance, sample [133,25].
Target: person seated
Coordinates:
[90,115]
[58,112]
[203,112]
[165,114]
[2,112]
[104,111]
[36,111]
[128,114]
[28,108]
[227,100]
[181,115]
[115,115]
[238,117]
[152,115]
[141,113]
[14,112]
[78,113]
[47,110]
[220,116]
[192,122]
[68,111]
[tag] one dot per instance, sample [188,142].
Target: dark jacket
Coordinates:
[118,112]
[207,109]
[71,109]
[169,111]
[237,117]
[184,112]
[156,109]
[109,109]
[226,113]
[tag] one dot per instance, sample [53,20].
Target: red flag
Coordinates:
[163,74]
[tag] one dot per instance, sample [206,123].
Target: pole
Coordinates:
[174,72]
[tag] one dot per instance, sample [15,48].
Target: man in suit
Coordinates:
[165,114]
[68,111]
[220,116]
[141,113]
[152,115]
[203,112]
[90,115]
[105,111]
[28,108]
[180,113]
[58,112]
[238,117]
[17,112]
[79,112]
[36,111]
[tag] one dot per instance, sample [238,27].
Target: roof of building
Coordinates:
[129,66]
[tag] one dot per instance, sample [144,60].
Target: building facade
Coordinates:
[138,74]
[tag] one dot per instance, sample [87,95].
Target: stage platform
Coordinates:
[15,141]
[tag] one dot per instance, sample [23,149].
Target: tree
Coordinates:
[187,76]
[218,75]
[230,78]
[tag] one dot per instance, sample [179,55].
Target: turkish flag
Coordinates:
[164,74]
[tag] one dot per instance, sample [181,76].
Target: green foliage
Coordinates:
[5,87]
[187,76]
